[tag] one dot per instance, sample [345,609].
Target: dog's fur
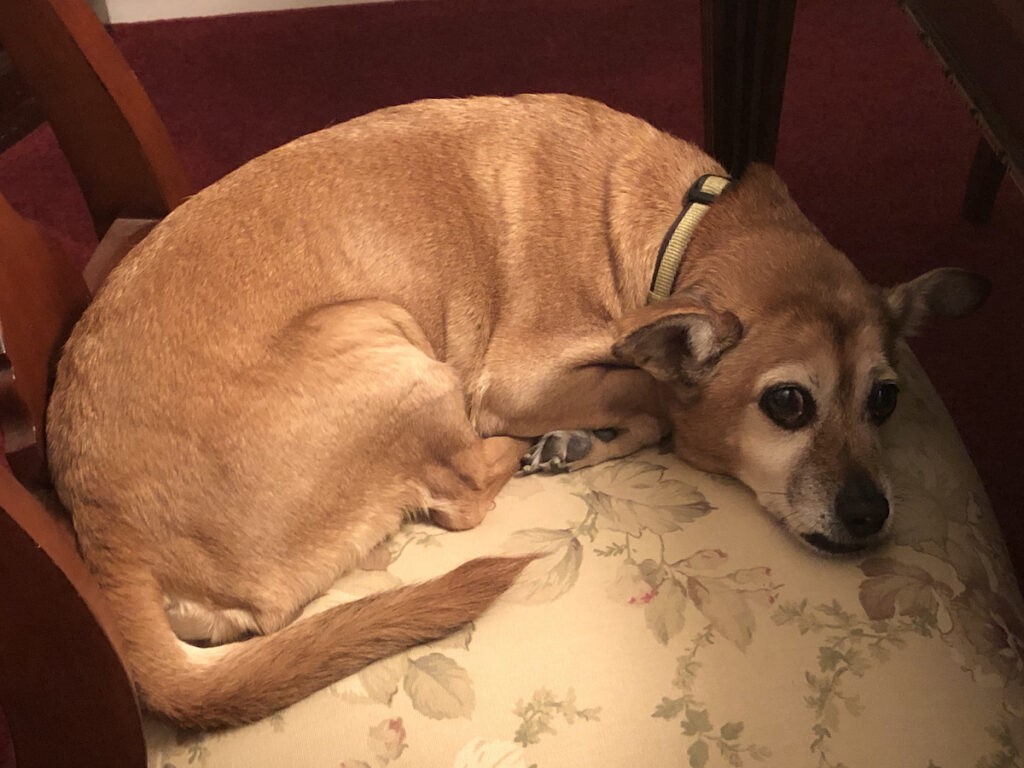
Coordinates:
[311,348]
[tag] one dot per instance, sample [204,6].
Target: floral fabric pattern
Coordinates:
[670,622]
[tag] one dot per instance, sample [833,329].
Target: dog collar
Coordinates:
[699,198]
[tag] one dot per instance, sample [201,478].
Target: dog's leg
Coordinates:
[566,449]
[476,475]
[345,425]
[454,471]
[586,408]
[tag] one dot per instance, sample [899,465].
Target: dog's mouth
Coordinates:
[833,547]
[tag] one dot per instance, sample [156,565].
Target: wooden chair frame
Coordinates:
[65,693]
[745,53]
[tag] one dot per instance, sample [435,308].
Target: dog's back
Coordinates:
[456,211]
[280,371]
[223,424]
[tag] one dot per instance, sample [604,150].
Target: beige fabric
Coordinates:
[673,624]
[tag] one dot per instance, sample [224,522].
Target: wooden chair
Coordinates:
[65,693]
[744,56]
[745,53]
[981,49]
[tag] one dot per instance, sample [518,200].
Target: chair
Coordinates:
[745,52]
[744,56]
[60,672]
[671,622]
[981,50]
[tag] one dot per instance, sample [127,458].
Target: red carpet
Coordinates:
[874,143]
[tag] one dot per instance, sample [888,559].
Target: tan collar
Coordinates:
[698,199]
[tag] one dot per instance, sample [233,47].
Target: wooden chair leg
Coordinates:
[744,51]
[66,695]
[6,745]
[983,181]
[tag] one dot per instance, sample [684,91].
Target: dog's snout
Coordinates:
[861,506]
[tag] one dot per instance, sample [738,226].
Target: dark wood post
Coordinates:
[983,180]
[745,50]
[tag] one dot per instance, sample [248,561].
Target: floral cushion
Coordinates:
[672,623]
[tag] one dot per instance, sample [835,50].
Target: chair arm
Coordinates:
[66,695]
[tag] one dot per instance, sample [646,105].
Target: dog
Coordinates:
[397,314]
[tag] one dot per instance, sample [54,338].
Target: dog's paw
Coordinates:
[556,451]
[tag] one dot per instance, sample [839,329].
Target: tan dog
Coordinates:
[311,348]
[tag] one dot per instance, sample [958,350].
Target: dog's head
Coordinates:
[776,364]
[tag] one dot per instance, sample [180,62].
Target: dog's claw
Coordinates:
[555,452]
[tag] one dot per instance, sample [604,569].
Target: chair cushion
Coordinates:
[674,623]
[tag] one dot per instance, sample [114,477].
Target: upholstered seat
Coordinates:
[673,623]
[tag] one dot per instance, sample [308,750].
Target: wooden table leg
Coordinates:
[744,49]
[983,180]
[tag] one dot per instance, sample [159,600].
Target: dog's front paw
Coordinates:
[556,451]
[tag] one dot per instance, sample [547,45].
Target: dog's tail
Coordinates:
[246,681]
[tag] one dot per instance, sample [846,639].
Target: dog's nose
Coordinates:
[861,506]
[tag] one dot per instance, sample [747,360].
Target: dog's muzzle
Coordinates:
[861,506]
[862,510]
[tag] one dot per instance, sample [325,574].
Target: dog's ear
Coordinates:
[948,292]
[677,340]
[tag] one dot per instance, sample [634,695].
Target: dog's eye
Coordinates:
[882,400]
[788,405]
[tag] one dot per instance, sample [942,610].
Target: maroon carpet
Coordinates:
[874,143]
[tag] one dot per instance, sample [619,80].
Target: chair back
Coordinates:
[112,136]
[41,297]
[66,694]
[124,163]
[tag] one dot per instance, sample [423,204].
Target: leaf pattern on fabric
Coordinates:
[439,687]
[387,740]
[382,679]
[493,753]
[1008,755]
[665,611]
[549,577]
[629,585]
[725,608]
[696,723]
[723,599]
[665,588]
[974,617]
[418,536]
[851,646]
[631,497]
[538,714]
[898,588]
